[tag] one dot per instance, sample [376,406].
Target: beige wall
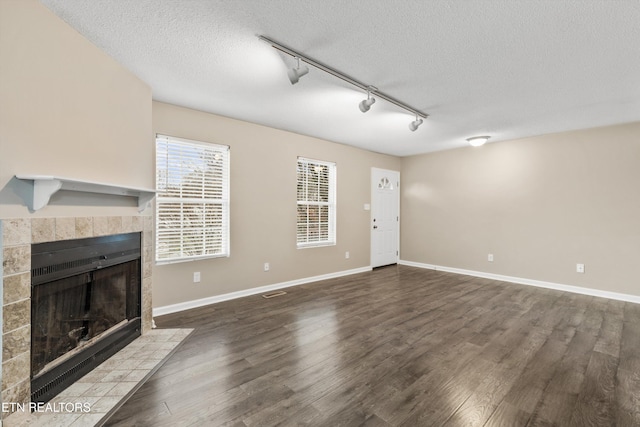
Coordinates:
[263,207]
[67,109]
[540,205]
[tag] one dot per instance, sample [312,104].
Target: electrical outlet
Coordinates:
[196,277]
[490,257]
[346,255]
[579,268]
[266,266]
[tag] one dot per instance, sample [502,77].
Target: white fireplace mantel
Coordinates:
[44,186]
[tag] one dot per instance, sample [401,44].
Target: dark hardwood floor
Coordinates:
[400,346]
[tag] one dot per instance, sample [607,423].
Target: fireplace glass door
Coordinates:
[71,312]
[85,306]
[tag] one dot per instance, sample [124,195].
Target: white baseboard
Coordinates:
[174,308]
[530,282]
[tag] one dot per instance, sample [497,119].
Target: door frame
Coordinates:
[371,189]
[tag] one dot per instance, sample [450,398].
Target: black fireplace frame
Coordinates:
[61,259]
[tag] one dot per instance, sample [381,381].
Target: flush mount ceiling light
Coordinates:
[295,73]
[477,141]
[367,103]
[415,124]
[294,76]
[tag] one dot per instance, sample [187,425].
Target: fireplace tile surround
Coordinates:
[17,236]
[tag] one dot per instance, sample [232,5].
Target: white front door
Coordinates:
[385,216]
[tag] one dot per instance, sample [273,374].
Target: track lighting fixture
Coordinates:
[295,73]
[414,124]
[367,103]
[477,141]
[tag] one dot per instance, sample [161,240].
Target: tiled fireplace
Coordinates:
[17,237]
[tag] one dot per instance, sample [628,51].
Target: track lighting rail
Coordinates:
[365,87]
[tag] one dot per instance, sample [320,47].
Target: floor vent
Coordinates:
[274,294]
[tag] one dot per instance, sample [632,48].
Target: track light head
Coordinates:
[414,124]
[366,104]
[295,73]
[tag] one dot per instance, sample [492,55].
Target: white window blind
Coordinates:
[192,202]
[316,203]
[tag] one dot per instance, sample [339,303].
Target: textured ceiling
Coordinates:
[504,68]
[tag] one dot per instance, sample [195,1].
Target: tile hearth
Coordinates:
[97,395]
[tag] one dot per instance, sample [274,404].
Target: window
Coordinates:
[316,203]
[192,202]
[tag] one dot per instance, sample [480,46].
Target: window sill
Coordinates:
[316,245]
[199,258]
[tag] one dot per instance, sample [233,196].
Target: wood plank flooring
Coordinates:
[400,346]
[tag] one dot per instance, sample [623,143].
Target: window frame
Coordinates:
[211,150]
[331,203]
